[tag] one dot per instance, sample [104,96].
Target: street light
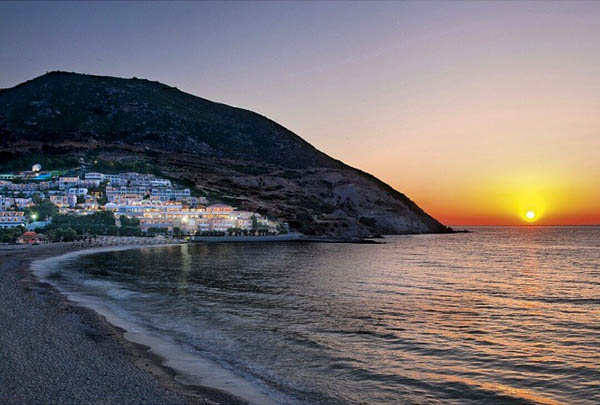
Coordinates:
[34,216]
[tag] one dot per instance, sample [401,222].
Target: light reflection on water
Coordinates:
[499,315]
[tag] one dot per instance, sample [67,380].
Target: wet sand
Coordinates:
[53,351]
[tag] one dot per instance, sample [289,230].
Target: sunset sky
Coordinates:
[478,111]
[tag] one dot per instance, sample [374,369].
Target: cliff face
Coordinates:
[235,154]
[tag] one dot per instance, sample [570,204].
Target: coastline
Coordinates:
[295,237]
[80,356]
[86,325]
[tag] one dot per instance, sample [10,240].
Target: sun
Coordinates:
[529,207]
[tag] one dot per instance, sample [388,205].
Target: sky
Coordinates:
[478,111]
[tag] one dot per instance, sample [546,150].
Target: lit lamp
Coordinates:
[34,216]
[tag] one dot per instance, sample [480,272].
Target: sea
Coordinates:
[500,315]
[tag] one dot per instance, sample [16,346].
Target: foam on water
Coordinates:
[192,368]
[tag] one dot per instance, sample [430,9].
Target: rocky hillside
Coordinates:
[228,153]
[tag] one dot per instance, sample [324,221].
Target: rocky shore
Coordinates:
[55,352]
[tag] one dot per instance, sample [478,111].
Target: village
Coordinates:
[38,205]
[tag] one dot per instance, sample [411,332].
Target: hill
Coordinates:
[225,152]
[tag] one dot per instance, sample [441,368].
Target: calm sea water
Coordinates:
[500,315]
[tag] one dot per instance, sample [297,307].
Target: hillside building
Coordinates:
[12,219]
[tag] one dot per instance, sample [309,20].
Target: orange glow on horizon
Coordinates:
[513,199]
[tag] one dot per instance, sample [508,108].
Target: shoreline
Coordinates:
[295,238]
[17,264]
[154,381]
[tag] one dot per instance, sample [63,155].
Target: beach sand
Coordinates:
[53,351]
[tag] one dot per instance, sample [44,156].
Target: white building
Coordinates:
[94,176]
[45,185]
[88,183]
[23,186]
[6,202]
[77,191]
[36,167]
[170,217]
[137,208]
[12,219]
[63,201]
[160,183]
[123,193]
[66,182]
[115,180]
[221,208]
[167,193]
[24,202]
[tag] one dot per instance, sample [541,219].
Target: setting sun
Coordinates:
[531,214]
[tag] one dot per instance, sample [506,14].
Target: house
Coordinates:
[24,202]
[123,194]
[63,201]
[77,191]
[244,219]
[115,180]
[167,193]
[28,237]
[222,223]
[95,176]
[88,183]
[194,201]
[36,167]
[220,208]
[12,219]
[23,186]
[45,185]
[66,182]
[160,183]
[6,202]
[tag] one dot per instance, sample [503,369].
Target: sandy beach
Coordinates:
[54,351]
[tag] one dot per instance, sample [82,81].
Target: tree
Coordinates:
[234,231]
[42,211]
[62,234]
[69,235]
[156,231]
[11,235]
[282,230]
[101,222]
[129,222]
[177,232]
[124,220]
[130,231]
[37,199]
